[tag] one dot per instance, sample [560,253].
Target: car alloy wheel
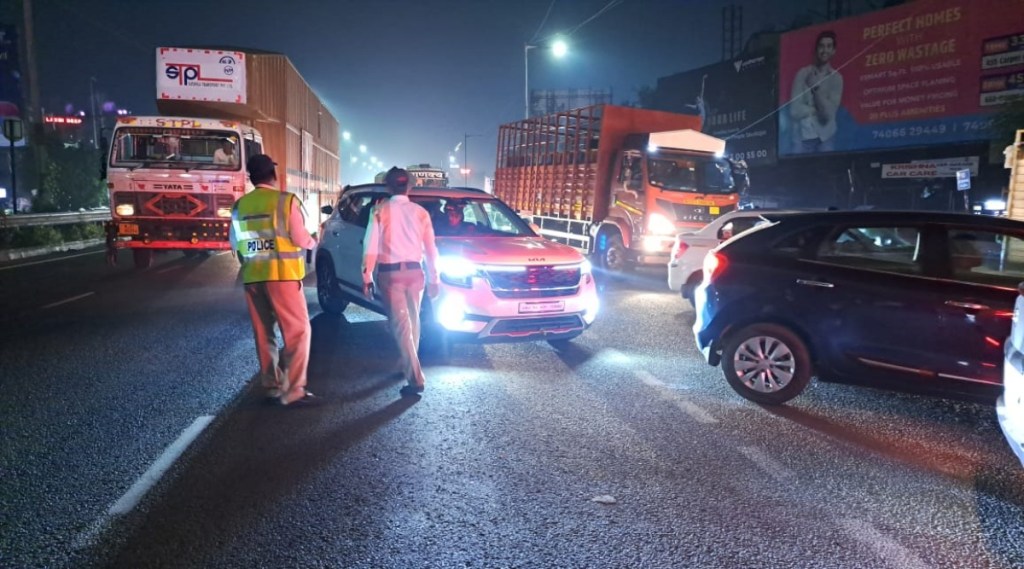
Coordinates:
[328,291]
[766,363]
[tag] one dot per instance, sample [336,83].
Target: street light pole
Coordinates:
[526,79]
[95,117]
[465,157]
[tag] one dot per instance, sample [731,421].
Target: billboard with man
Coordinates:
[923,73]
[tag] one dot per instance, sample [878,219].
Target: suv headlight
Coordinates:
[456,271]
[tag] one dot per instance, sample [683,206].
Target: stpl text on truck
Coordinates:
[616,182]
[174,178]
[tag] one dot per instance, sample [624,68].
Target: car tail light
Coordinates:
[678,248]
[714,264]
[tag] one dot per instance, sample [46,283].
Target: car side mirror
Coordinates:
[327,209]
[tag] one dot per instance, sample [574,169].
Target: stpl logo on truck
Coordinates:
[200,75]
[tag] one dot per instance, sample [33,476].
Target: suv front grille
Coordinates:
[542,293]
[533,279]
[528,326]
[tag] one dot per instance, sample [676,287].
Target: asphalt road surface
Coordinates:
[130,436]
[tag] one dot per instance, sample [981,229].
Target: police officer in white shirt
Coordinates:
[398,239]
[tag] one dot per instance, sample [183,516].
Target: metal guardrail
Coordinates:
[30,219]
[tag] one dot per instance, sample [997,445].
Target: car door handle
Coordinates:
[821,284]
[970,306]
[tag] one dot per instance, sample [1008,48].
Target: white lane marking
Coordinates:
[696,413]
[648,378]
[886,547]
[766,463]
[157,469]
[67,300]
[171,268]
[666,392]
[20,265]
[131,498]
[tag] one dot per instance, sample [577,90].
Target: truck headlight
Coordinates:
[456,271]
[125,210]
[659,224]
[223,212]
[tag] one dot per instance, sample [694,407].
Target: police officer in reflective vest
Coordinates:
[269,235]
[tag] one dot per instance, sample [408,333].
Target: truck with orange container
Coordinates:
[173,178]
[616,182]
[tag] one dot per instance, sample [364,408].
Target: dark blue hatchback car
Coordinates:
[906,300]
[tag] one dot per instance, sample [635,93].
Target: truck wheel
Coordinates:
[614,257]
[328,291]
[143,258]
[767,363]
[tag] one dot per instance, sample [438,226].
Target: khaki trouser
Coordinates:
[283,303]
[402,293]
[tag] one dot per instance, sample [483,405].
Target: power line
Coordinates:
[542,22]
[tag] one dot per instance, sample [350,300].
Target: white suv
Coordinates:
[500,281]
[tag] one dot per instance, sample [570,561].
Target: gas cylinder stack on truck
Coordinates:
[173,178]
[616,182]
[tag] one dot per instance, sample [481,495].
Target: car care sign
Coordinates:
[200,74]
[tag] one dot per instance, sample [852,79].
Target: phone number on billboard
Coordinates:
[750,155]
[932,130]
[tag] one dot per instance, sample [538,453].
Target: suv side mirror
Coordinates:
[327,209]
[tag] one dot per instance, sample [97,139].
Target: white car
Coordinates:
[500,281]
[686,261]
[1010,406]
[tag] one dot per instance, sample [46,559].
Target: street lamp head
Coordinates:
[362,148]
[559,48]
[346,135]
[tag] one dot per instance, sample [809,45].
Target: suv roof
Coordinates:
[456,192]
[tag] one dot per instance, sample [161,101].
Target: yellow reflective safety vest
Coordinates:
[259,221]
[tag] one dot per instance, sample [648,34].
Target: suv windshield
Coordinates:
[175,148]
[690,174]
[472,217]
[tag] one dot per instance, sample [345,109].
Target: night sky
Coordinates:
[406,78]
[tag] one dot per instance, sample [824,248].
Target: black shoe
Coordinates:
[411,390]
[307,399]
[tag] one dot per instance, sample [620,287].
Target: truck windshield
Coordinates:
[190,149]
[691,174]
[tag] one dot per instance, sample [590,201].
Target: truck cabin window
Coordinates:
[191,149]
[704,175]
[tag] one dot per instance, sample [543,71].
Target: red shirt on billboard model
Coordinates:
[817,92]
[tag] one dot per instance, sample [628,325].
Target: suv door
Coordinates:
[981,270]
[344,233]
